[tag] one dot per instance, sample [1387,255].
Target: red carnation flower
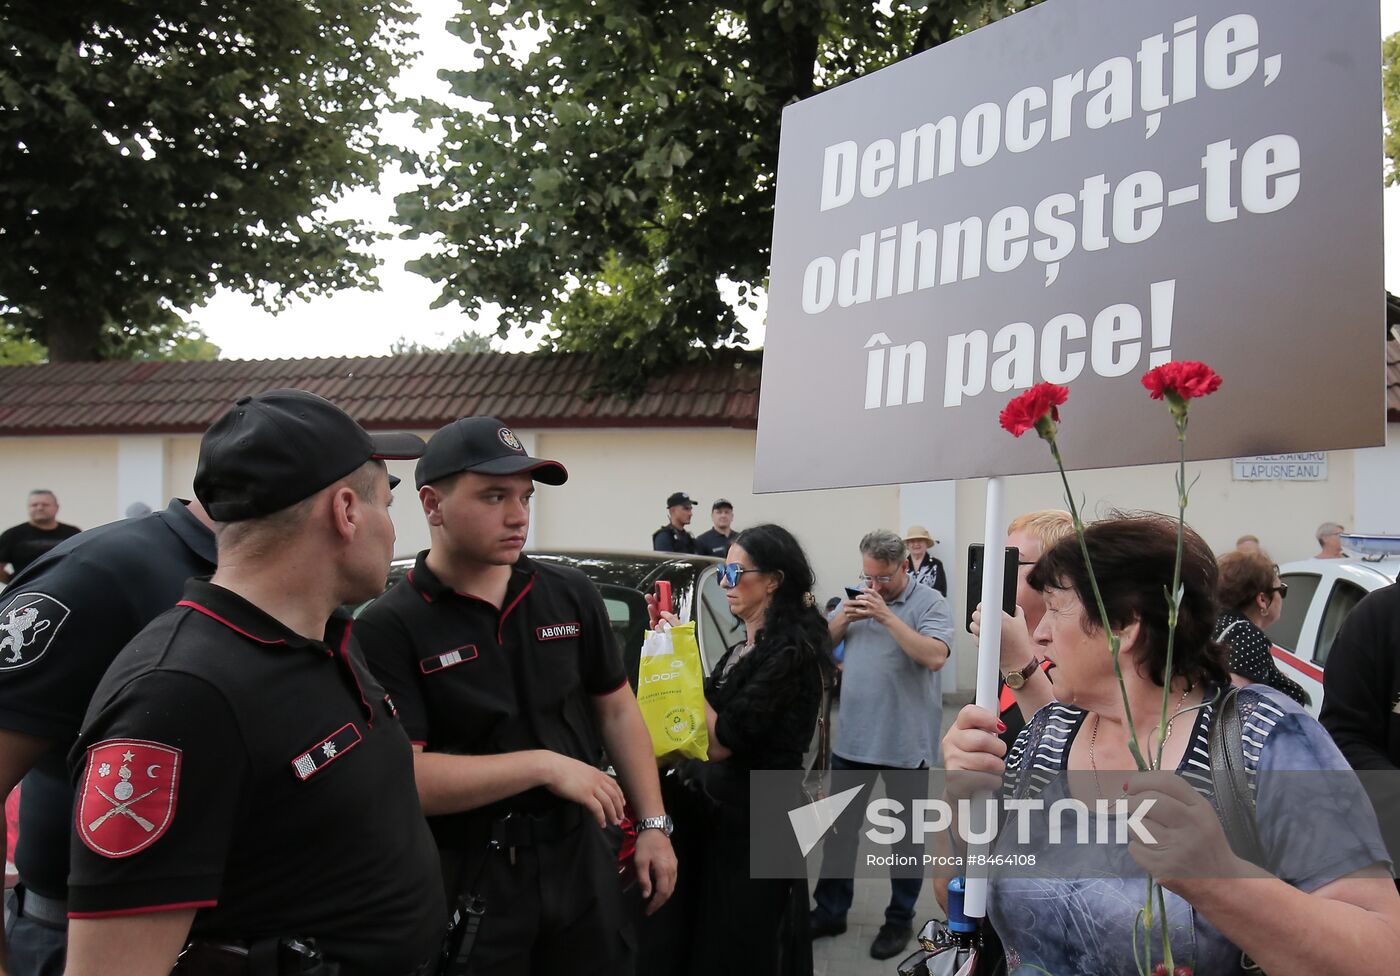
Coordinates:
[1039,403]
[1184,380]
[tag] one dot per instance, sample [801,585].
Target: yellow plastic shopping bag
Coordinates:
[671,693]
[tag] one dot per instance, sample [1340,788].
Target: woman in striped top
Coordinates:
[1323,902]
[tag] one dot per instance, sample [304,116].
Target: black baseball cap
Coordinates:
[679,498]
[272,450]
[722,503]
[483,445]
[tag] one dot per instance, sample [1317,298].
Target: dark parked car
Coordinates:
[623,579]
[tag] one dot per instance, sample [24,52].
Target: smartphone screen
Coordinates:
[852,592]
[975,557]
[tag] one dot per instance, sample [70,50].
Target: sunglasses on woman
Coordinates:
[1281,590]
[730,573]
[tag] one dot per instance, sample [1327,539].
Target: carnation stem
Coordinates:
[1166,932]
[1174,594]
[1113,641]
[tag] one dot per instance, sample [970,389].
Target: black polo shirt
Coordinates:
[231,765]
[469,678]
[711,543]
[72,610]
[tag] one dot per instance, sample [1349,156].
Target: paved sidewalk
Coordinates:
[848,954]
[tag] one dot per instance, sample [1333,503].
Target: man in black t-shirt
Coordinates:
[20,545]
[241,778]
[511,685]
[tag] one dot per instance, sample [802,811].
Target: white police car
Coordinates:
[1321,593]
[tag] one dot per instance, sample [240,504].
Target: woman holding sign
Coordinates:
[762,704]
[1320,898]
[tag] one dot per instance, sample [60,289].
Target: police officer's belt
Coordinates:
[266,957]
[518,829]
[48,912]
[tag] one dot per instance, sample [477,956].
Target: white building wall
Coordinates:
[1377,506]
[619,480]
[140,472]
[81,471]
[934,505]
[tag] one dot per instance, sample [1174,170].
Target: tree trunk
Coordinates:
[74,337]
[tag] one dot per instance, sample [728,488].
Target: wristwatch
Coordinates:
[662,823]
[1016,680]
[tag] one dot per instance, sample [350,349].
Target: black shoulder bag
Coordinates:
[1233,797]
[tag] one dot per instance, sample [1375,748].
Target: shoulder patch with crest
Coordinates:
[127,800]
[28,624]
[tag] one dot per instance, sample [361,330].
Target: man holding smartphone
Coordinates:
[897,635]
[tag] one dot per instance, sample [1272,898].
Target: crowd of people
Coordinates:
[225,774]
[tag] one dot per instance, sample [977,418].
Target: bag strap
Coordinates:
[823,762]
[1229,779]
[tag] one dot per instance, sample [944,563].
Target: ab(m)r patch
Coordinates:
[28,624]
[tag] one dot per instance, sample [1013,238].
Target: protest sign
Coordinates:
[1076,194]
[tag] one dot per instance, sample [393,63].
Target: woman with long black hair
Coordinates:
[762,703]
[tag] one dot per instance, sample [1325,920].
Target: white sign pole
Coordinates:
[988,666]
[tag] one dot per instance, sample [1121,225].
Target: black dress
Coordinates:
[720,920]
[1251,655]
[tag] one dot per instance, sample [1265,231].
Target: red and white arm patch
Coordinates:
[127,800]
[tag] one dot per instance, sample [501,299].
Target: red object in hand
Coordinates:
[658,602]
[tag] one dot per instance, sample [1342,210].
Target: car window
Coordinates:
[627,617]
[1287,630]
[719,628]
[1340,602]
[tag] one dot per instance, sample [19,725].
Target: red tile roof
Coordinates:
[422,390]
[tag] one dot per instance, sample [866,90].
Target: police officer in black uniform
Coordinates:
[510,684]
[242,781]
[674,536]
[714,542]
[62,621]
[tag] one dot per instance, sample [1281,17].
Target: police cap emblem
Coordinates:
[509,439]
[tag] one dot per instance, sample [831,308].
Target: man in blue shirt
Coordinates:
[897,636]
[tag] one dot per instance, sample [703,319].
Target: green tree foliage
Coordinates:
[154,150]
[1390,97]
[624,165]
[466,342]
[169,341]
